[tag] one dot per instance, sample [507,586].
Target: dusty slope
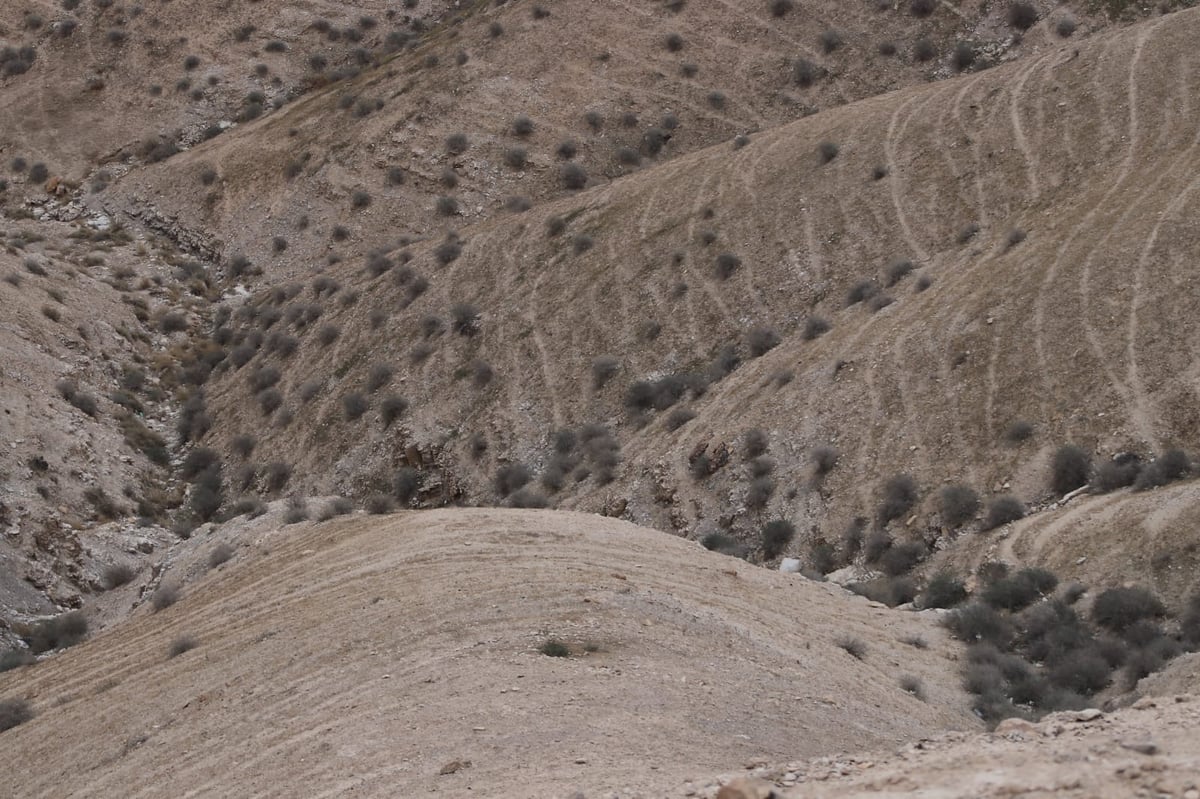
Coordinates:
[366,654]
[89,96]
[1149,750]
[1105,540]
[731,72]
[81,310]
[1086,328]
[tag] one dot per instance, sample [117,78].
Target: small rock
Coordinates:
[1017,726]
[1090,714]
[455,765]
[746,788]
[1145,703]
[1141,747]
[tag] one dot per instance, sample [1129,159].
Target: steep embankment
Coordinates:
[1046,203]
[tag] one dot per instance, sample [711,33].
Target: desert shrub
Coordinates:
[197,461]
[1116,609]
[14,712]
[979,623]
[775,536]
[897,270]
[654,139]
[296,510]
[117,575]
[1003,510]
[378,504]
[822,557]
[922,8]
[830,40]
[852,538]
[879,302]
[457,143]
[1020,590]
[354,405]
[924,50]
[573,176]
[726,264]
[762,340]
[721,542]
[391,409]
[79,399]
[1018,431]
[963,56]
[15,658]
[1022,15]
[336,507]
[522,125]
[57,632]
[1117,473]
[912,685]
[1171,465]
[269,401]
[554,648]
[1083,671]
[511,477]
[604,368]
[406,484]
[815,327]
[1189,623]
[1065,26]
[824,460]
[943,590]
[852,646]
[887,48]
[678,418]
[875,545]
[166,595]
[759,493]
[181,644]
[827,151]
[805,73]
[899,497]
[464,318]
[959,504]
[779,8]
[277,475]
[207,493]
[379,376]
[862,290]
[526,498]
[1069,469]
[900,558]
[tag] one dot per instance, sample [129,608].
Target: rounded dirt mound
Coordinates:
[402,655]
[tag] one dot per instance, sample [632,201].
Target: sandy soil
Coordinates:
[370,654]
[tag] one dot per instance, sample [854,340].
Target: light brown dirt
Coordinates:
[369,654]
[1084,334]
[1149,750]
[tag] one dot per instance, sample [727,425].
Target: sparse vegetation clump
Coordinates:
[899,497]
[56,632]
[1003,510]
[943,590]
[775,537]
[959,504]
[554,648]
[1070,469]
[14,712]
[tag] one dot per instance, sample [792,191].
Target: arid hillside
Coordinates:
[401,655]
[906,281]
[483,113]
